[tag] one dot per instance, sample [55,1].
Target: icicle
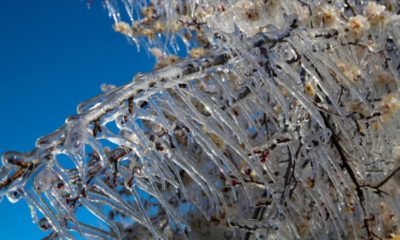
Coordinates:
[281,110]
[142,210]
[98,213]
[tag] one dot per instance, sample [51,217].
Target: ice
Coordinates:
[284,124]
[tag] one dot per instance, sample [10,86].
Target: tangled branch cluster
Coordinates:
[282,123]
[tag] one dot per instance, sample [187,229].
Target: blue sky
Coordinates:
[53,55]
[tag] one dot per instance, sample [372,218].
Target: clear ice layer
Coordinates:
[282,123]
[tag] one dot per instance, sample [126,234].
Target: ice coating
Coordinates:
[285,126]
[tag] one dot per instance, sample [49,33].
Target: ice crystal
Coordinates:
[281,123]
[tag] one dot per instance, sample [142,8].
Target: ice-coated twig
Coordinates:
[282,123]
